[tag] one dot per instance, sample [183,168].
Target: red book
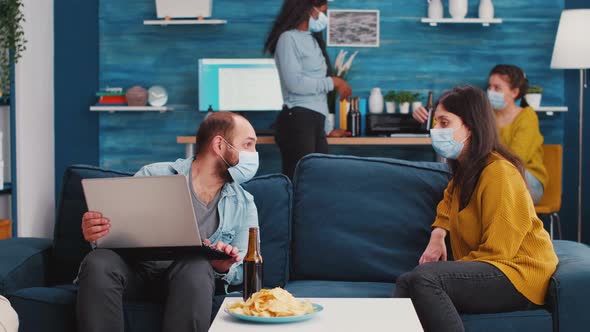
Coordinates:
[112,100]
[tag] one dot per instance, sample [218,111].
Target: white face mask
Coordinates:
[318,24]
[246,167]
[444,143]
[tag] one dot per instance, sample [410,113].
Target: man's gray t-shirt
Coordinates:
[207,215]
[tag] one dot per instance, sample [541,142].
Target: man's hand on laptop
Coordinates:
[94,226]
[222,266]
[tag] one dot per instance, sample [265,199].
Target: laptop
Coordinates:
[151,217]
[183,8]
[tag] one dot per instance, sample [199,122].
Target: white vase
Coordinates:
[458,8]
[435,9]
[533,99]
[404,108]
[376,101]
[390,107]
[486,9]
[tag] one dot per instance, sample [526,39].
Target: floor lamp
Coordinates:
[572,51]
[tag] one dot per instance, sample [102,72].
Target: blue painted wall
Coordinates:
[76,81]
[412,56]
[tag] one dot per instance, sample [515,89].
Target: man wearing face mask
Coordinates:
[305,72]
[225,157]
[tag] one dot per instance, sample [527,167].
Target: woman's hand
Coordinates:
[342,87]
[436,249]
[338,133]
[420,114]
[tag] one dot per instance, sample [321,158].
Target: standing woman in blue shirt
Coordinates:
[299,50]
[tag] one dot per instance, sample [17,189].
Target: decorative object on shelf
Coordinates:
[136,96]
[12,39]
[486,9]
[353,28]
[341,69]
[157,96]
[169,9]
[435,9]
[458,8]
[376,101]
[572,51]
[390,101]
[111,96]
[404,98]
[533,96]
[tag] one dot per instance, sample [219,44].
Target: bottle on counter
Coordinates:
[354,118]
[430,108]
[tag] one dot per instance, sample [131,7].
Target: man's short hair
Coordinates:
[215,124]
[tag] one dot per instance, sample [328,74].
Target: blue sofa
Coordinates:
[348,227]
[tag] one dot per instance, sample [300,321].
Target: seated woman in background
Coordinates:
[518,125]
[503,255]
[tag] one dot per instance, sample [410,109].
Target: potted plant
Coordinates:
[390,101]
[533,96]
[404,98]
[12,39]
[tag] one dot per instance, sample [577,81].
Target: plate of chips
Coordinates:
[273,306]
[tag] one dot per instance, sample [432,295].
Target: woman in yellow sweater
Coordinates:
[518,125]
[503,255]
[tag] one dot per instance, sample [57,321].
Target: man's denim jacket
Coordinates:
[237,212]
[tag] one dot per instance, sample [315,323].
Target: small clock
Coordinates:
[157,96]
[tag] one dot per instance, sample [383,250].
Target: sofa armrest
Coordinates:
[24,263]
[569,288]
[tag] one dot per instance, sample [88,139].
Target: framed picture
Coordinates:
[353,28]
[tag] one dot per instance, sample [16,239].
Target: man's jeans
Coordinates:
[186,287]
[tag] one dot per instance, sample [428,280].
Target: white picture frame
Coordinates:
[353,28]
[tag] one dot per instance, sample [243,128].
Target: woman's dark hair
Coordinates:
[516,78]
[293,13]
[471,104]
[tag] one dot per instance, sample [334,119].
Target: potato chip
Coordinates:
[275,302]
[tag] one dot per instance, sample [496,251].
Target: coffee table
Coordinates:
[339,314]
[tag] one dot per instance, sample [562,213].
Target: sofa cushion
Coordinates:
[69,244]
[344,289]
[517,321]
[362,219]
[23,263]
[273,196]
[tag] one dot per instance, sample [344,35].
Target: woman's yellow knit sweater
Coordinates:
[523,137]
[499,226]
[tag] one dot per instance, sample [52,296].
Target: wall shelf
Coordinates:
[184,22]
[550,109]
[114,108]
[484,22]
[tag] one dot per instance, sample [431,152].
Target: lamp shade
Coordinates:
[572,43]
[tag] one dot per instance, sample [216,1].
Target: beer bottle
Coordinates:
[252,265]
[430,108]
